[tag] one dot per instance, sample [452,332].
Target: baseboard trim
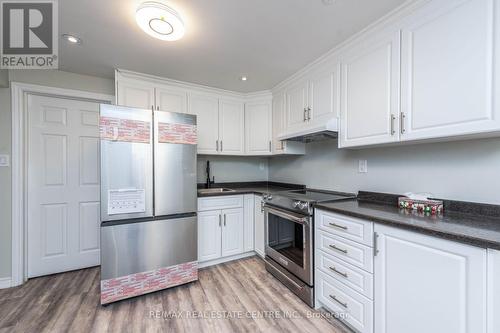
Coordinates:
[225,259]
[5,283]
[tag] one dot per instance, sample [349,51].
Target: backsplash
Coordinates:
[233,168]
[462,170]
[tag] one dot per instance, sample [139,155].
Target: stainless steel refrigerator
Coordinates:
[148,201]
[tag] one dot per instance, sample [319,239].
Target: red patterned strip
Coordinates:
[127,130]
[177,133]
[141,283]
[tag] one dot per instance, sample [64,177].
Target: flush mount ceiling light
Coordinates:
[160,21]
[243,78]
[72,39]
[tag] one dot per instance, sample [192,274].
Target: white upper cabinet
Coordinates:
[323,98]
[427,284]
[258,128]
[279,121]
[135,94]
[171,100]
[449,74]
[231,127]
[370,91]
[206,109]
[296,106]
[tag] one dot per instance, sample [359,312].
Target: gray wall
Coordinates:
[41,77]
[467,170]
[233,168]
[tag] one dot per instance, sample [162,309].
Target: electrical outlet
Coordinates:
[4,161]
[363,166]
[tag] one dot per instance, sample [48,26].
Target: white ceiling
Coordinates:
[266,40]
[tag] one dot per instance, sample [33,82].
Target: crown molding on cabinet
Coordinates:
[263,94]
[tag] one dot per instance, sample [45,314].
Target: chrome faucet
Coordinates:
[209,182]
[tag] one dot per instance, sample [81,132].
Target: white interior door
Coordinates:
[63,185]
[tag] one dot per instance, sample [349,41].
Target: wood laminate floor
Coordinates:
[239,296]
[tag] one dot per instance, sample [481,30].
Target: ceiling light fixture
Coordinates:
[72,39]
[160,21]
[243,78]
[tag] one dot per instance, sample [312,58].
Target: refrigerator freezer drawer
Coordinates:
[146,246]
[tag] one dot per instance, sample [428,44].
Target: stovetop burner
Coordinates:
[303,200]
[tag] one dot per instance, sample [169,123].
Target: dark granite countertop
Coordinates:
[470,223]
[249,188]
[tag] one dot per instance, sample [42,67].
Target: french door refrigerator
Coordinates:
[148,201]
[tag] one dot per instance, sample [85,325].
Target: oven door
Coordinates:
[288,239]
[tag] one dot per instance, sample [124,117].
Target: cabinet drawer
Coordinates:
[354,253]
[353,277]
[353,308]
[349,227]
[222,202]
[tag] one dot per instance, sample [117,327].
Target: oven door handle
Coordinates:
[285,215]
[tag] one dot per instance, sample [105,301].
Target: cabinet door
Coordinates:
[427,284]
[449,74]
[493,291]
[248,233]
[170,100]
[259,226]
[258,128]
[370,92]
[232,231]
[135,94]
[209,235]
[231,127]
[324,101]
[206,109]
[296,103]
[278,122]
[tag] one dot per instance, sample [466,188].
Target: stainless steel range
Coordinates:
[289,237]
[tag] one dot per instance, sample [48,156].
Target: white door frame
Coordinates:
[19,96]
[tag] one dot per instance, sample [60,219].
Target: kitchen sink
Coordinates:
[214,190]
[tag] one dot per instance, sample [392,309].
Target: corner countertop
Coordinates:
[470,223]
[250,188]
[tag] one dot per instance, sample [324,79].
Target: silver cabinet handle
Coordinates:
[338,272]
[309,113]
[152,108]
[305,117]
[338,226]
[217,145]
[375,244]
[282,145]
[224,219]
[270,147]
[402,122]
[338,301]
[158,107]
[220,220]
[337,248]
[221,146]
[393,117]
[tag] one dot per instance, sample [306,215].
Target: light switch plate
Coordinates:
[4,160]
[363,166]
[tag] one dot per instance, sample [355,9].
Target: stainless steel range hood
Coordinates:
[326,131]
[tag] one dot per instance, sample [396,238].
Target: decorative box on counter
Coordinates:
[419,204]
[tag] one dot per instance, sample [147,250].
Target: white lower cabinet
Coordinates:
[493,291]
[209,235]
[344,268]
[428,284]
[259,226]
[232,231]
